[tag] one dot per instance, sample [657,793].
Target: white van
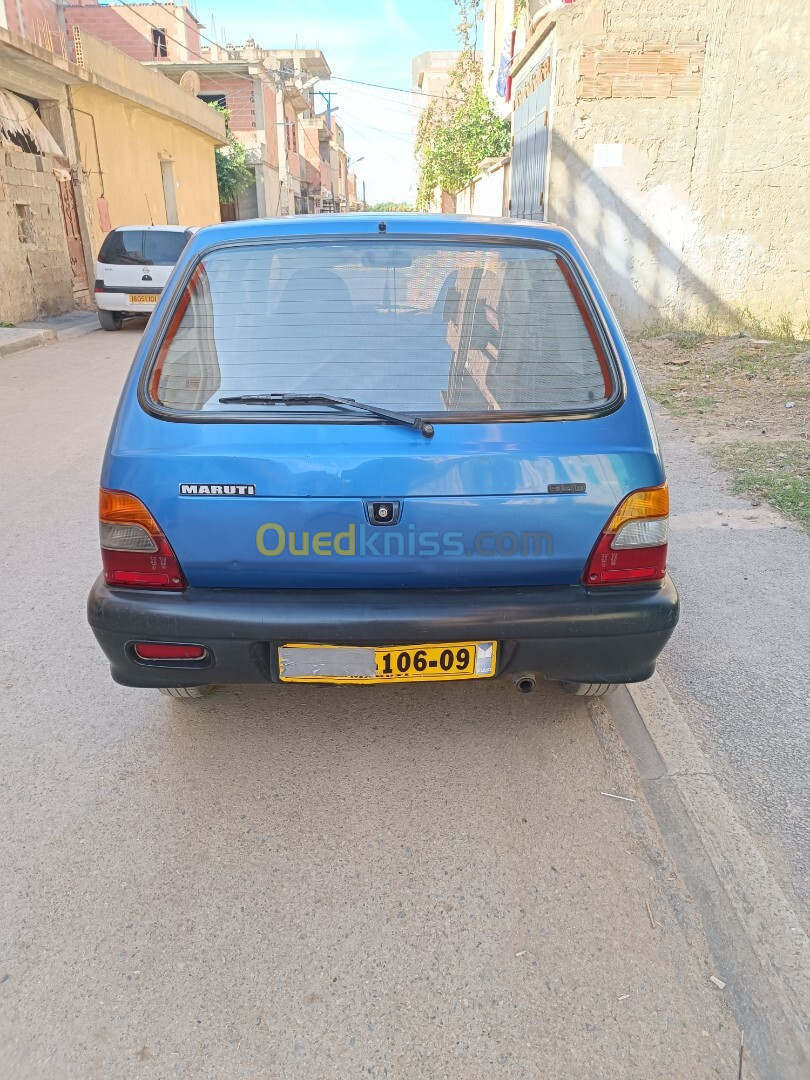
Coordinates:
[133,266]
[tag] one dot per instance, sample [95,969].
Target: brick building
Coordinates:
[35,20]
[168,32]
[325,158]
[670,137]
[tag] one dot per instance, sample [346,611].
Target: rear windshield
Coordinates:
[414,326]
[147,248]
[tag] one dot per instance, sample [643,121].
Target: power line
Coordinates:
[275,71]
[398,89]
[400,135]
[401,108]
[374,146]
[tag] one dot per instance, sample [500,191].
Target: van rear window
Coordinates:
[416,326]
[148,248]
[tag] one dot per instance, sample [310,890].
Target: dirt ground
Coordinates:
[746,400]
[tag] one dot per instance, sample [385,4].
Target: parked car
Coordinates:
[133,267]
[356,449]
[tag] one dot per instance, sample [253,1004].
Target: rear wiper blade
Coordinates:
[417,422]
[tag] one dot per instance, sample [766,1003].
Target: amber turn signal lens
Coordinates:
[646,503]
[121,508]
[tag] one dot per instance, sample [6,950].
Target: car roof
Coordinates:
[153,228]
[456,227]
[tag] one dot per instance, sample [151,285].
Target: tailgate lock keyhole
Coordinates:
[383,513]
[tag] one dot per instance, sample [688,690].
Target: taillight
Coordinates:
[98,286]
[134,551]
[633,544]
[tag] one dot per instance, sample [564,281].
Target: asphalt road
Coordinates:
[304,882]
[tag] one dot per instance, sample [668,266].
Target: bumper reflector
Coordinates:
[151,650]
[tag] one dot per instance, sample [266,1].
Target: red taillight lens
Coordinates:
[134,551]
[633,544]
[150,650]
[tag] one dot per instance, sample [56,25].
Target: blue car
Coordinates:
[382,449]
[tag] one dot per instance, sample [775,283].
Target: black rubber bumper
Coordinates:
[564,632]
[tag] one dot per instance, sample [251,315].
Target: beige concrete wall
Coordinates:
[749,230]
[132,141]
[487,195]
[679,154]
[128,120]
[621,165]
[113,70]
[35,277]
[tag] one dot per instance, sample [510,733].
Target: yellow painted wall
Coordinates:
[131,142]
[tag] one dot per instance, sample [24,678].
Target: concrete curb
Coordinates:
[19,338]
[756,939]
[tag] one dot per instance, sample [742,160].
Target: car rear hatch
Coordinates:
[537,434]
[137,262]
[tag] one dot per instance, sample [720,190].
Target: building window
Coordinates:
[159,48]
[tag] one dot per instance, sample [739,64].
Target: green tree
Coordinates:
[234,174]
[457,132]
[391,208]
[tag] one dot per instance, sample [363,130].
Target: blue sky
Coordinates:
[373,42]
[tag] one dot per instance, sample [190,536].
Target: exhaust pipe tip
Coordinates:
[524,684]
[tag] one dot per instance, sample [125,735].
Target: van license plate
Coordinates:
[387,663]
[144,298]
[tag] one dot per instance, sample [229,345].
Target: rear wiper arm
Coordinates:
[336,402]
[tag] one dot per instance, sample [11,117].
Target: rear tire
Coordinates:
[186,692]
[590,689]
[110,320]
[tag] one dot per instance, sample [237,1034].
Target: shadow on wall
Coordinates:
[643,274]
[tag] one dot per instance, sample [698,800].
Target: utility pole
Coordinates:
[327,97]
[283,159]
[284,186]
[365,204]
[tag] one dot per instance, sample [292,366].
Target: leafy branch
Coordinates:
[457,132]
[234,174]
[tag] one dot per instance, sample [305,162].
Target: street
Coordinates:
[305,882]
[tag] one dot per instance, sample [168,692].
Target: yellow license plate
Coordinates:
[387,663]
[144,298]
